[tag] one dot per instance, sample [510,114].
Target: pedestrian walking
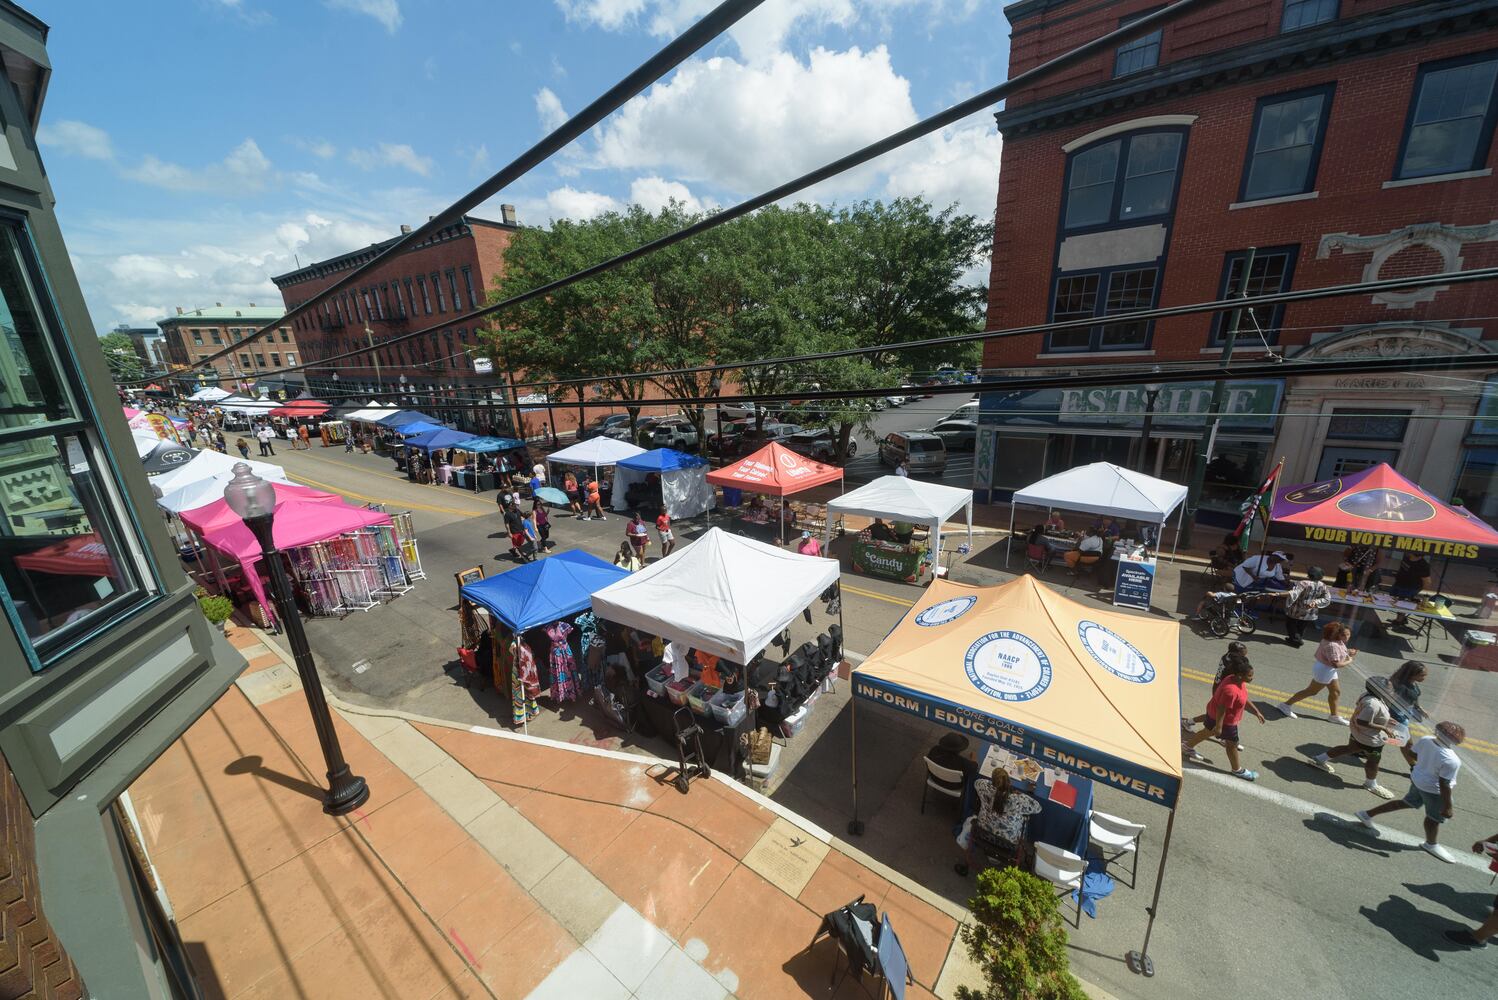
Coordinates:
[1479,938]
[663,528]
[574,497]
[348,441]
[1224,713]
[595,501]
[266,436]
[244,447]
[625,558]
[901,470]
[1332,655]
[305,437]
[1303,604]
[1371,726]
[220,444]
[532,535]
[1431,781]
[514,526]
[1401,692]
[543,523]
[1235,649]
[638,535]
[808,546]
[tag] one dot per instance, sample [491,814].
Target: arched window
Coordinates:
[1122,180]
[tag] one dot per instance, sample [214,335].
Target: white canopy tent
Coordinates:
[201,492]
[146,441]
[244,404]
[207,464]
[903,499]
[208,394]
[594,453]
[724,594]
[1104,488]
[374,411]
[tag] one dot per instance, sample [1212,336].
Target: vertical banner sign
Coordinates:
[1134,584]
[983,457]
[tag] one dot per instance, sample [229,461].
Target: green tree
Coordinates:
[1018,940]
[119,352]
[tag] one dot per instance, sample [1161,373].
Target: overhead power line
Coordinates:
[714,23]
[919,130]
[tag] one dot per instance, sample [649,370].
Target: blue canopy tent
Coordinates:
[684,488]
[541,592]
[416,427]
[402,417]
[486,446]
[438,437]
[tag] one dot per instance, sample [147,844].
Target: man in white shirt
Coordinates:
[1263,572]
[1431,781]
[266,436]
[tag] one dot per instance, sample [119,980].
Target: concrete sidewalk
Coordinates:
[491,864]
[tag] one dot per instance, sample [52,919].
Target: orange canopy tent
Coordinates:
[775,471]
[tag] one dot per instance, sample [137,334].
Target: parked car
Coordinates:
[602,426]
[957,435]
[896,400]
[753,440]
[967,411]
[819,444]
[669,432]
[920,451]
[738,411]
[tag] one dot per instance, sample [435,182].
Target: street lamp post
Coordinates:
[254,500]
[1151,393]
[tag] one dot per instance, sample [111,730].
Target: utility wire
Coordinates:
[919,130]
[714,23]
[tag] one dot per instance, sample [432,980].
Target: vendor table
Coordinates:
[1424,620]
[1063,826]
[720,743]
[463,477]
[889,559]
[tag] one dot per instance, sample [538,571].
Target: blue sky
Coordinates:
[197,147]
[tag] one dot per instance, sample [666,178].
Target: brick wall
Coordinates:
[33,962]
[1363,133]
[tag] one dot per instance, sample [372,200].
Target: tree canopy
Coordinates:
[784,281]
[119,352]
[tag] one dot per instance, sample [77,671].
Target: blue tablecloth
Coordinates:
[1062,826]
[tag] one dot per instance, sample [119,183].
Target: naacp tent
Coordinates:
[1076,687]
[1104,488]
[684,489]
[539,593]
[724,594]
[1378,506]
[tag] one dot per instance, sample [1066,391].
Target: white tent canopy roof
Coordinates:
[201,492]
[247,405]
[371,413]
[723,594]
[595,451]
[1103,488]
[903,499]
[207,464]
[146,441]
[208,393]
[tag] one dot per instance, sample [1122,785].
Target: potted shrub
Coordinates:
[1018,939]
[217,610]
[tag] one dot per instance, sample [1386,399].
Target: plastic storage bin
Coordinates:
[657,680]
[700,696]
[728,707]
[677,690]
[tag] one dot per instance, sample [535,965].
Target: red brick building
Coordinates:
[193,335]
[442,277]
[1343,140]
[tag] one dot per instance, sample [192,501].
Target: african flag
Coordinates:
[1259,502]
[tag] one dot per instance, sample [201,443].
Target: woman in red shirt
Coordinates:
[1224,712]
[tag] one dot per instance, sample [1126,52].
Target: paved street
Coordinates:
[1269,884]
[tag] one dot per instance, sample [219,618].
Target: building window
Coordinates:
[452,286]
[290,358]
[1140,54]
[197,337]
[1271,273]
[1306,13]
[244,360]
[1286,144]
[1082,296]
[368,306]
[1122,180]
[216,337]
[1451,119]
[473,300]
[426,298]
[285,335]
[275,360]
[400,303]
[259,360]
[437,288]
[1365,424]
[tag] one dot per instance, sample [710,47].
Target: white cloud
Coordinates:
[793,115]
[320,148]
[549,109]
[655,193]
[607,14]
[478,160]
[959,164]
[246,170]
[570,203]
[75,138]
[387,12]
[389,154]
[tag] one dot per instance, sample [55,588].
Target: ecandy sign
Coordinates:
[1246,406]
[1048,749]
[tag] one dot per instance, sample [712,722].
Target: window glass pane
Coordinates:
[1150,179]
[1076,298]
[1283,145]
[1304,13]
[62,559]
[1271,272]
[1450,112]
[1090,198]
[1128,291]
[1141,53]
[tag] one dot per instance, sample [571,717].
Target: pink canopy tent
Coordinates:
[210,517]
[298,522]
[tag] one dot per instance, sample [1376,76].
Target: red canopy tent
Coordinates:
[301,408]
[1378,506]
[775,471]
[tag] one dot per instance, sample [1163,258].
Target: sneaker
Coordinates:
[1378,789]
[1246,774]
[1241,748]
[1321,762]
[1464,938]
[1366,820]
[1437,851]
[1193,754]
[1187,726]
[1339,720]
[1286,710]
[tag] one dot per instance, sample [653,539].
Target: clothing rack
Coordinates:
[392,567]
[410,555]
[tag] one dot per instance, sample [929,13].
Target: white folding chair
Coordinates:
[1116,837]
[1064,870]
[942,780]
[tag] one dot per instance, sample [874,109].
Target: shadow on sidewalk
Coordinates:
[253,764]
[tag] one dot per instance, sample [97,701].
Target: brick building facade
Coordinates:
[444,276]
[1342,140]
[195,334]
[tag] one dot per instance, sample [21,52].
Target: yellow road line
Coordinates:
[385,500]
[878,597]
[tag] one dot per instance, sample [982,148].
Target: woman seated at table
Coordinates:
[1053,522]
[1087,552]
[1003,814]
[879,531]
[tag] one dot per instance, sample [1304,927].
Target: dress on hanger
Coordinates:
[525,684]
[587,624]
[563,666]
